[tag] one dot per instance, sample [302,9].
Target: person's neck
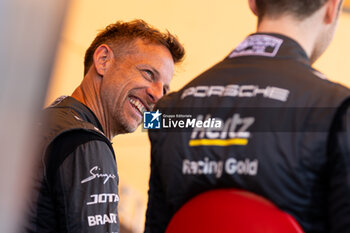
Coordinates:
[88,94]
[294,29]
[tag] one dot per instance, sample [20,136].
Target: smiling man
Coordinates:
[128,68]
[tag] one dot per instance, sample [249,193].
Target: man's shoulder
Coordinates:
[61,119]
[168,100]
[64,126]
[246,76]
[63,130]
[67,142]
[323,87]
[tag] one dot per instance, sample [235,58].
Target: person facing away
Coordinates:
[127,68]
[276,127]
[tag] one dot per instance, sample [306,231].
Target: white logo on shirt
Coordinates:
[103,198]
[212,167]
[96,220]
[258,45]
[232,90]
[94,175]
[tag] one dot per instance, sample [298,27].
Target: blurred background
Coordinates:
[208,30]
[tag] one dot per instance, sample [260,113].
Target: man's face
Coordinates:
[134,83]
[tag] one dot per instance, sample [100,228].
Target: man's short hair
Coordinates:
[300,9]
[121,34]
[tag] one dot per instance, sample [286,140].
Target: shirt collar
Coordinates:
[82,110]
[270,45]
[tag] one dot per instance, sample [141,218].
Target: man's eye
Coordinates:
[148,74]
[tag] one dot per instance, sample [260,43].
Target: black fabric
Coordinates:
[339,170]
[64,145]
[277,114]
[77,185]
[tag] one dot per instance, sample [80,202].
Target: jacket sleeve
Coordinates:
[86,188]
[158,213]
[339,173]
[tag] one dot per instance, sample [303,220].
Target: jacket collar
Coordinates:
[270,45]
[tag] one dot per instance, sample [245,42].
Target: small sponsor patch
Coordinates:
[96,173]
[258,45]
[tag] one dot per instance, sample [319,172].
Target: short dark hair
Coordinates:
[123,33]
[301,9]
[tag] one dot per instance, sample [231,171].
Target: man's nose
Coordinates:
[155,91]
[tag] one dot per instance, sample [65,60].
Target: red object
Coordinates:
[230,210]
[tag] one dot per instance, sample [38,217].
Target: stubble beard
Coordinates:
[123,125]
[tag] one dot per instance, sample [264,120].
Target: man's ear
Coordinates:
[103,57]
[252,5]
[332,10]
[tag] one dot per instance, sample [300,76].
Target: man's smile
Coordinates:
[137,104]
